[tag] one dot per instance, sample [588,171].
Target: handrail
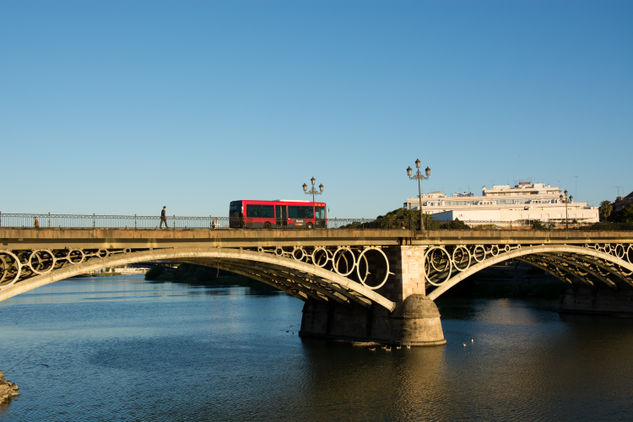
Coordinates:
[49,220]
[58,220]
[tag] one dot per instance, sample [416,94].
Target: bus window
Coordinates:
[235,214]
[260,211]
[299,211]
[320,212]
[235,208]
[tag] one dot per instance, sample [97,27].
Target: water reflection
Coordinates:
[361,384]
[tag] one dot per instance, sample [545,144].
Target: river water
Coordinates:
[122,349]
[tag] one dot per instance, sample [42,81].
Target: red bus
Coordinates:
[268,214]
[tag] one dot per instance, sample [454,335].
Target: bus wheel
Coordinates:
[309,225]
[266,225]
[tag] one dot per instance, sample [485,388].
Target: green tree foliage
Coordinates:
[605,210]
[614,220]
[537,225]
[624,215]
[409,219]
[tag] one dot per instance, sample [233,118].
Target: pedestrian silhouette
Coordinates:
[36,223]
[163,217]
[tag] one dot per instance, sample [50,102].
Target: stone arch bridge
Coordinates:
[364,285]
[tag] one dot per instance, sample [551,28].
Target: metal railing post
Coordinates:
[49,219]
[93,220]
[134,221]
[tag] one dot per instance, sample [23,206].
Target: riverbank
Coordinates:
[8,389]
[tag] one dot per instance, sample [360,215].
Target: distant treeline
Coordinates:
[408,219]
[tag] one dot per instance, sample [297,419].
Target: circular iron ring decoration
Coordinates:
[448,267]
[321,256]
[479,253]
[75,256]
[363,257]
[459,253]
[298,253]
[342,253]
[494,250]
[435,259]
[6,267]
[37,254]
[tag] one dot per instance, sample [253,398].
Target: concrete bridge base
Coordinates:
[415,322]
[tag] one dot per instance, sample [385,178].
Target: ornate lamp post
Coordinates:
[419,177]
[566,200]
[313,191]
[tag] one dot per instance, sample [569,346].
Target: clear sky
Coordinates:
[121,107]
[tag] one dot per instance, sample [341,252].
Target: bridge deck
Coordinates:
[12,238]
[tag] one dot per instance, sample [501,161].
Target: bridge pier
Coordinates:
[415,321]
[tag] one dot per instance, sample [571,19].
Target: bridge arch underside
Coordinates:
[591,265]
[22,271]
[300,283]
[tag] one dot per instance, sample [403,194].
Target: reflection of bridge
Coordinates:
[357,284]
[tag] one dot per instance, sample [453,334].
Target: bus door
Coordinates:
[281,215]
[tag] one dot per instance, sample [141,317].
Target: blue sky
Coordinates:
[122,107]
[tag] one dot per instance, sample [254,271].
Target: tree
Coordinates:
[625,215]
[409,219]
[605,210]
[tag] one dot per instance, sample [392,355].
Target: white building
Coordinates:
[503,205]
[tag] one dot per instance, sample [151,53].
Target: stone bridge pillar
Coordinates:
[414,322]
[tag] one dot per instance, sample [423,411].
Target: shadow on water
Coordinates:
[201,276]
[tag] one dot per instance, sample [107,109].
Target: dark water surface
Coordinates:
[122,349]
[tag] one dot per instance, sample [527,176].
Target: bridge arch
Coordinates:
[603,261]
[299,279]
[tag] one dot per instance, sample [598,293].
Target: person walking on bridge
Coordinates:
[163,217]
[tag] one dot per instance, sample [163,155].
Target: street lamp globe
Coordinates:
[313,191]
[419,176]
